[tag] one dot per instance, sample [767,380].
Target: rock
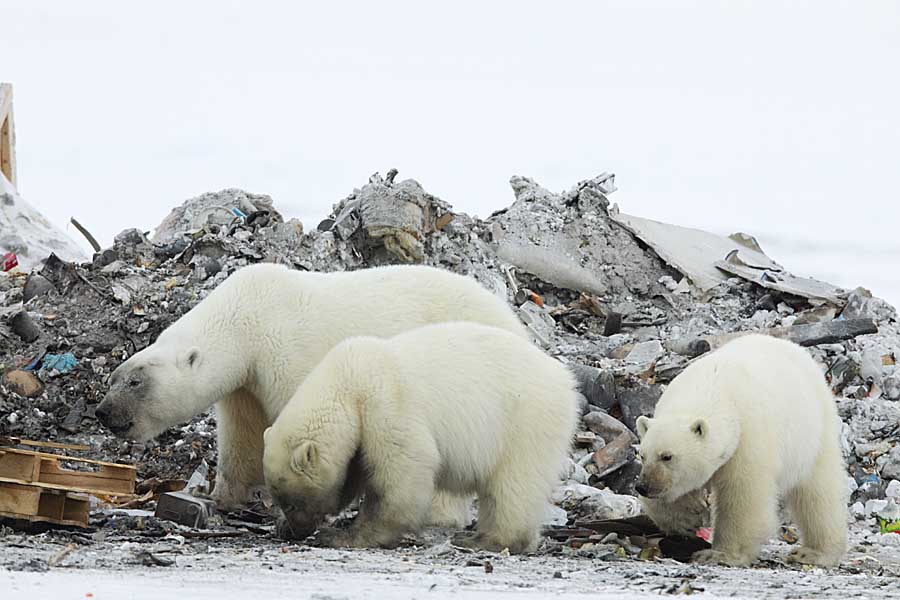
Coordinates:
[609,505]
[858,510]
[36,285]
[615,454]
[890,386]
[893,489]
[598,386]
[873,507]
[638,400]
[645,352]
[555,515]
[23,383]
[607,427]
[891,468]
[623,480]
[24,326]
[539,323]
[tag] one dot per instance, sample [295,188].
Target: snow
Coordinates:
[26,232]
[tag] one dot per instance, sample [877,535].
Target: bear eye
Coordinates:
[665,457]
[134,382]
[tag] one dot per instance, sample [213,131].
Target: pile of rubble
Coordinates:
[627,302]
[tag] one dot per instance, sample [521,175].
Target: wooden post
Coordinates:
[7,134]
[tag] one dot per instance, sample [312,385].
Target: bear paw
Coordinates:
[331,537]
[285,529]
[717,557]
[230,497]
[808,556]
[480,541]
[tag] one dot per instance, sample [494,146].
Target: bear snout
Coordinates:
[116,420]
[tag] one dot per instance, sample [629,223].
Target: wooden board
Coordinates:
[44,470]
[7,134]
[37,504]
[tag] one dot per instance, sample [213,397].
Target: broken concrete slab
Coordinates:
[692,251]
[776,278]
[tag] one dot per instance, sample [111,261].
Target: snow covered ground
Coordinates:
[26,232]
[258,567]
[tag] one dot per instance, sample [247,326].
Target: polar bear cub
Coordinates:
[456,407]
[755,422]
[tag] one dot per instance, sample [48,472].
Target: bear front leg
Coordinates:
[399,492]
[240,425]
[745,513]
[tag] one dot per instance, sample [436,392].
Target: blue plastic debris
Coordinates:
[61,363]
[238,213]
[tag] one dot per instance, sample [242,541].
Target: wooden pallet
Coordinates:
[37,504]
[38,487]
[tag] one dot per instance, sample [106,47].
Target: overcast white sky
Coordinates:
[777,118]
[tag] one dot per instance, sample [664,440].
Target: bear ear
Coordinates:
[700,428]
[190,359]
[304,456]
[643,424]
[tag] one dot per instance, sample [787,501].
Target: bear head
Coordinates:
[680,454]
[307,478]
[156,388]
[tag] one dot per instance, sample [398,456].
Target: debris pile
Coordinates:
[626,302]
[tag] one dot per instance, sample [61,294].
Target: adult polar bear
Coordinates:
[249,344]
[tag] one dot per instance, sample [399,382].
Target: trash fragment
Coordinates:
[24,326]
[9,261]
[58,363]
[181,507]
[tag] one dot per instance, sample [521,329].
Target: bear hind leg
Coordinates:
[819,507]
[510,510]
[450,510]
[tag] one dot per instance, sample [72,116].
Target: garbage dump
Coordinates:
[626,302]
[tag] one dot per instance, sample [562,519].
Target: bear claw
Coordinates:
[717,557]
[808,556]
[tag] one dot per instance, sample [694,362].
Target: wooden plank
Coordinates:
[104,482]
[69,458]
[7,134]
[76,509]
[21,467]
[19,499]
[14,441]
[31,503]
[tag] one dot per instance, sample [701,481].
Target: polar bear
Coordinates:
[755,422]
[248,345]
[457,407]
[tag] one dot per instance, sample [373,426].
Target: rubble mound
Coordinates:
[591,292]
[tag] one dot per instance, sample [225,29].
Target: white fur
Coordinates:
[455,407]
[257,336]
[756,422]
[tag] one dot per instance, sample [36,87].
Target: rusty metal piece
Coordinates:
[185,509]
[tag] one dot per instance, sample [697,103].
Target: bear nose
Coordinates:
[102,414]
[642,488]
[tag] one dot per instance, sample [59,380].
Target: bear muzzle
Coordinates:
[117,421]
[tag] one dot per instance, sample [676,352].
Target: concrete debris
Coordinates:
[693,251]
[215,209]
[608,294]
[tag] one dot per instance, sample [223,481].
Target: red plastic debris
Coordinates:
[10,261]
[704,533]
